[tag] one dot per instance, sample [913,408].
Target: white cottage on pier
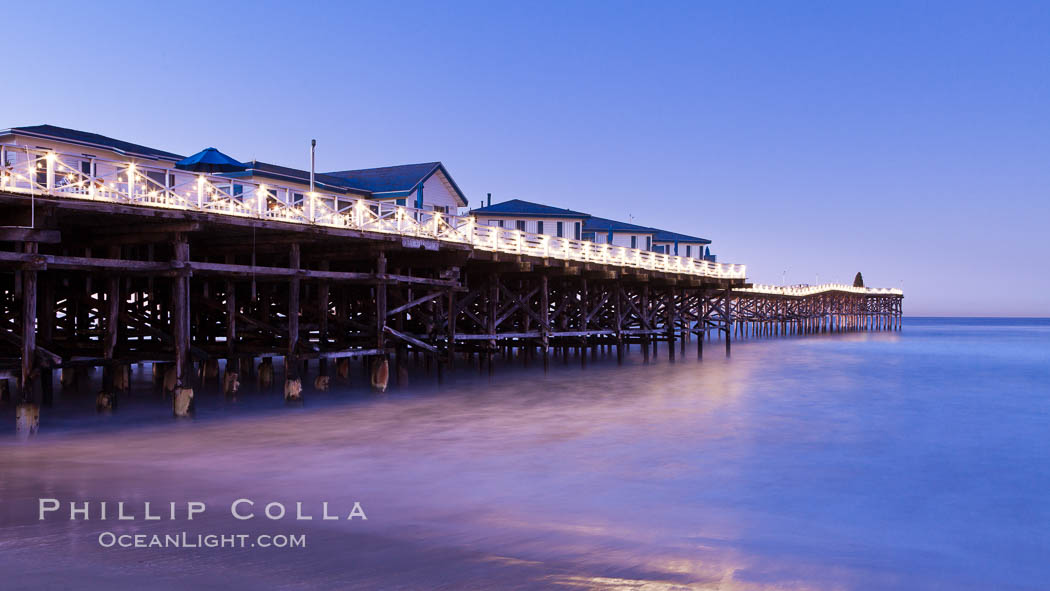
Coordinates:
[533,217]
[93,156]
[538,218]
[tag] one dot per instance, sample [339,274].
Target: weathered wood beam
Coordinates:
[46,356]
[380,301]
[181,313]
[669,322]
[416,302]
[256,271]
[582,333]
[451,330]
[29,279]
[68,263]
[493,337]
[30,235]
[728,317]
[409,339]
[109,342]
[45,332]
[342,354]
[323,307]
[394,278]
[490,318]
[291,365]
[201,267]
[545,320]
[154,228]
[584,317]
[618,328]
[231,315]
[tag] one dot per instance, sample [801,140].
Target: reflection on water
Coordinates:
[911,460]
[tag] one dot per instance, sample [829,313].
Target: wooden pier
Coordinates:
[125,274]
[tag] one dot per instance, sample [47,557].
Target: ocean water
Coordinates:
[910,460]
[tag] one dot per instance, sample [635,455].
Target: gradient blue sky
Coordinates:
[910,141]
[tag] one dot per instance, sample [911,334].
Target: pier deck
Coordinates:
[131,264]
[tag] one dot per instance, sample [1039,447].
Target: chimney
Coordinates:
[490,199]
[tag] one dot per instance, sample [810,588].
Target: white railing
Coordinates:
[808,290]
[35,171]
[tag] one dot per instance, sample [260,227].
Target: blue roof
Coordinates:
[84,138]
[210,160]
[665,236]
[528,208]
[519,207]
[605,225]
[402,179]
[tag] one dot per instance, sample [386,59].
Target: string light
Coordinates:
[367,215]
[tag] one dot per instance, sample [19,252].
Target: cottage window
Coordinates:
[576,234]
[297,199]
[41,171]
[271,200]
[634,242]
[84,168]
[520,225]
[539,227]
[154,180]
[688,250]
[561,230]
[499,223]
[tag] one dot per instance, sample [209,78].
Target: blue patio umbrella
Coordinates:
[210,160]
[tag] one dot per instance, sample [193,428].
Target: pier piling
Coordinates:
[177,288]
